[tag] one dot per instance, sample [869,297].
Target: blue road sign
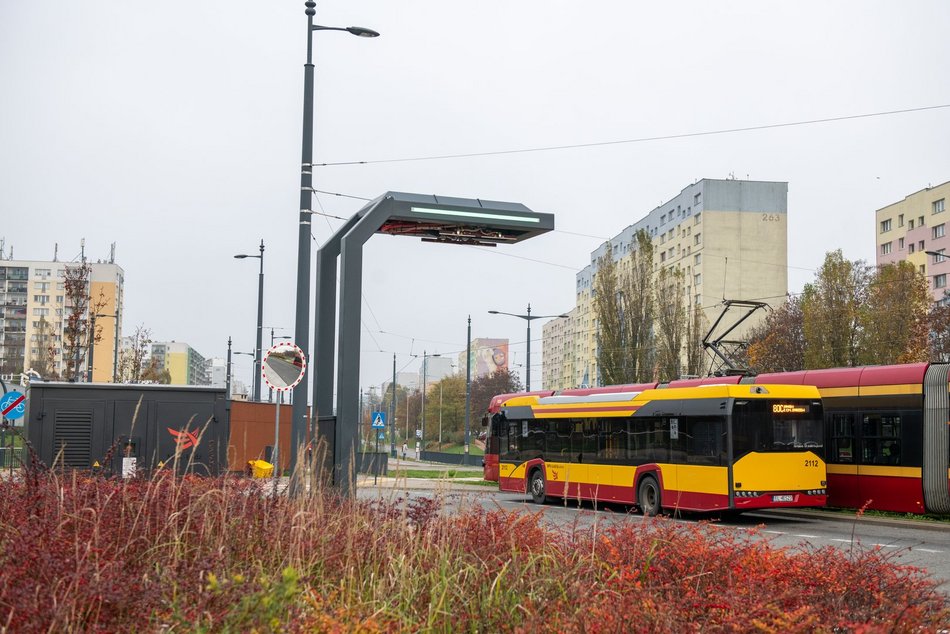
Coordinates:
[13,405]
[382,436]
[379,420]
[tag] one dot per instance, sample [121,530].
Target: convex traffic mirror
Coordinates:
[283,366]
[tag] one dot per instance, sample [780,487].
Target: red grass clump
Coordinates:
[183,554]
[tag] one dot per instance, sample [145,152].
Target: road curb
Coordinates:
[893,522]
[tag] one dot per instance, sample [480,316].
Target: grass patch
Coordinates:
[435,474]
[183,554]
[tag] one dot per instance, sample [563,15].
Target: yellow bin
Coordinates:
[260,469]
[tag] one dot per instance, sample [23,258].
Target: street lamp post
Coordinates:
[302,323]
[260,320]
[392,412]
[249,354]
[425,358]
[468,383]
[528,318]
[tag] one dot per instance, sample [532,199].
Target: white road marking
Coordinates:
[846,541]
[926,550]
[775,532]
[807,536]
[886,545]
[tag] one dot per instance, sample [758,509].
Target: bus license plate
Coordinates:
[782,498]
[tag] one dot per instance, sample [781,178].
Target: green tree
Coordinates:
[607,298]
[695,351]
[939,340]
[832,310]
[484,388]
[44,362]
[624,307]
[895,316]
[671,323]
[778,343]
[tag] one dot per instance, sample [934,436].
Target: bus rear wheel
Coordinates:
[536,487]
[648,495]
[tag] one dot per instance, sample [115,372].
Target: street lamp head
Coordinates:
[355,30]
[491,312]
[360,31]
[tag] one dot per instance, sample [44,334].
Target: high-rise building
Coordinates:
[35,309]
[728,240]
[915,230]
[183,363]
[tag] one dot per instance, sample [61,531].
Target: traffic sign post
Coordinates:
[378,422]
[12,407]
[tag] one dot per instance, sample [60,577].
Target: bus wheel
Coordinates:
[536,487]
[648,494]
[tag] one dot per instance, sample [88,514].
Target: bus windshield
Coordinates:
[768,425]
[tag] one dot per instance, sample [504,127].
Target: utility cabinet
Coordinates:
[125,429]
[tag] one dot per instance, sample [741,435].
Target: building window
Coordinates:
[886,248]
[697,259]
[698,238]
[697,279]
[696,218]
[939,231]
[910,247]
[940,257]
[920,245]
[923,269]
[938,206]
[910,225]
[663,257]
[920,221]
[940,281]
[900,244]
[900,220]
[696,199]
[885,225]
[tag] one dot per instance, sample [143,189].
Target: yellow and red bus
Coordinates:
[708,448]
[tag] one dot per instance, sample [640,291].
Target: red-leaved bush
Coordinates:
[187,554]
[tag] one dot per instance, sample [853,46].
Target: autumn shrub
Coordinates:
[179,554]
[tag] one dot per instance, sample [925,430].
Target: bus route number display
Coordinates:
[789,408]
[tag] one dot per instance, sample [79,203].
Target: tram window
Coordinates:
[842,438]
[557,444]
[612,444]
[705,442]
[639,443]
[532,442]
[881,438]
[510,442]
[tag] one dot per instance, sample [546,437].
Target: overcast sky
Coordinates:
[174,130]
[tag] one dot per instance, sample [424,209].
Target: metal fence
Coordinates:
[11,457]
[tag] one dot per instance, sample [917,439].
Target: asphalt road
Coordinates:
[921,544]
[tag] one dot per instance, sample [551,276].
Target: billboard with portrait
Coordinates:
[490,355]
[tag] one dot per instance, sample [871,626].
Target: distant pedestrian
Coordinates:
[405,450]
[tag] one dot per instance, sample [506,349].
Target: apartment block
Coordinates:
[185,366]
[34,309]
[728,238]
[915,230]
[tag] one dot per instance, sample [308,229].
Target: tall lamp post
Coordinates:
[528,318]
[299,424]
[249,354]
[425,357]
[260,320]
